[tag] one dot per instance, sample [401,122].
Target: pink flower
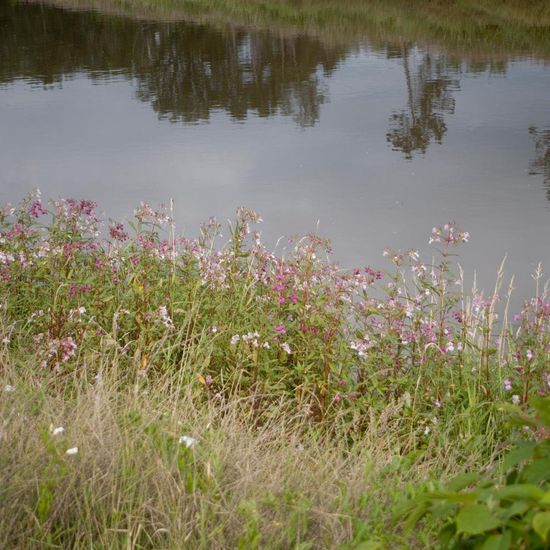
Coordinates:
[280,329]
[117,232]
[36,210]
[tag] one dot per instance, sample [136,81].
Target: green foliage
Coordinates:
[495,515]
[396,373]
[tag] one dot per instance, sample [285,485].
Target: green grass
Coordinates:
[321,400]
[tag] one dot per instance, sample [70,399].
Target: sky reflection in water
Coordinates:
[377,140]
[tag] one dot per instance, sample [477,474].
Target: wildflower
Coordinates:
[165,318]
[360,347]
[266,345]
[437,403]
[515,399]
[426,430]
[280,329]
[507,384]
[117,232]
[529,355]
[72,451]
[8,388]
[286,348]
[449,347]
[60,430]
[235,339]
[337,398]
[214,329]
[68,348]
[188,441]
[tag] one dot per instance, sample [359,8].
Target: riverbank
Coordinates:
[487,30]
[159,389]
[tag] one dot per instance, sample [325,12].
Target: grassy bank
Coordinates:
[482,29]
[212,394]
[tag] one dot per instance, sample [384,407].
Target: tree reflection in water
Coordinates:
[540,165]
[188,71]
[429,98]
[184,71]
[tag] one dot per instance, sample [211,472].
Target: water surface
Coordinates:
[369,140]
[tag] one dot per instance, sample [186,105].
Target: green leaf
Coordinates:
[546,498]
[463,498]
[518,455]
[517,508]
[537,472]
[475,519]
[541,525]
[368,545]
[498,542]
[520,491]
[446,534]
[417,514]
[542,407]
[459,482]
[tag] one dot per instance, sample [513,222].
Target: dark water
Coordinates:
[373,142]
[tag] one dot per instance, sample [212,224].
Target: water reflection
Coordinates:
[184,71]
[430,88]
[540,165]
[187,71]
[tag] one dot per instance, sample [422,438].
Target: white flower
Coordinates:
[515,399]
[81,310]
[188,441]
[426,430]
[266,345]
[214,329]
[72,451]
[8,388]
[529,355]
[235,339]
[286,347]
[60,430]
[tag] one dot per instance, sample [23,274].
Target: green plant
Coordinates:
[493,515]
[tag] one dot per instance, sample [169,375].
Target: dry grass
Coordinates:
[279,484]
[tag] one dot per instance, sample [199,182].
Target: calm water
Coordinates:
[374,143]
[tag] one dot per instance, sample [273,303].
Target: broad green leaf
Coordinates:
[518,455]
[446,534]
[546,498]
[537,471]
[416,515]
[541,525]
[465,498]
[517,508]
[476,519]
[459,482]
[498,542]
[542,407]
[520,491]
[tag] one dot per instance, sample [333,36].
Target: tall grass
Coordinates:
[314,400]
